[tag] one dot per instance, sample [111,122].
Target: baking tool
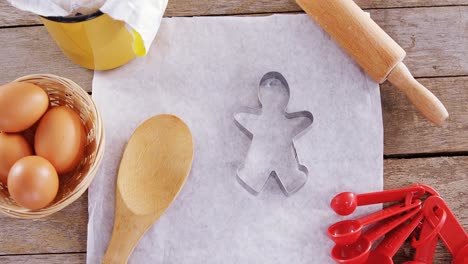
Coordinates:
[452,233]
[273,131]
[348,231]
[429,190]
[346,202]
[415,262]
[359,251]
[430,232]
[428,241]
[154,167]
[375,51]
[389,246]
[462,256]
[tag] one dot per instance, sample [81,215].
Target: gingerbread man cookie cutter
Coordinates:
[273,132]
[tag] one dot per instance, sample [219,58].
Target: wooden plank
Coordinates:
[406,253]
[435,39]
[65,231]
[30,50]
[408,3]
[406,130]
[11,16]
[442,257]
[15,17]
[446,174]
[77,258]
[229,7]
[408,26]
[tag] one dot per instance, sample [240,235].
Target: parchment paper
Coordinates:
[205,70]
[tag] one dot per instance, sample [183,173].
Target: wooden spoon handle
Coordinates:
[119,250]
[127,232]
[426,102]
[125,237]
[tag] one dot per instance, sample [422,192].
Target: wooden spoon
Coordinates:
[154,167]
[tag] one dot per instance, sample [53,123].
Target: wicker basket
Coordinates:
[65,92]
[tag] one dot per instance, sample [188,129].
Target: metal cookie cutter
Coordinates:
[273,132]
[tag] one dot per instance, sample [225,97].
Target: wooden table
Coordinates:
[433,32]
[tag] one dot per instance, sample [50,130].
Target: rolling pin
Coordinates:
[375,51]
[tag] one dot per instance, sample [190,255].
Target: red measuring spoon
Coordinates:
[428,236]
[427,188]
[346,202]
[462,256]
[428,240]
[428,232]
[384,253]
[359,251]
[452,233]
[348,231]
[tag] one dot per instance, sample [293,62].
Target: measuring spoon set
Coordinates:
[430,221]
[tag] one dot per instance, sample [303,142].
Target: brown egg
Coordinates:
[12,148]
[33,182]
[21,105]
[60,138]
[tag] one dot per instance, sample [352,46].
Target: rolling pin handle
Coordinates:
[426,102]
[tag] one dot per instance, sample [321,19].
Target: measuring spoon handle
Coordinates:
[428,238]
[389,195]
[390,224]
[393,240]
[387,212]
[452,232]
[462,256]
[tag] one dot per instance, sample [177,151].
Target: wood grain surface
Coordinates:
[448,175]
[76,258]
[404,128]
[229,7]
[30,50]
[435,40]
[434,33]
[66,230]
[407,132]
[14,17]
